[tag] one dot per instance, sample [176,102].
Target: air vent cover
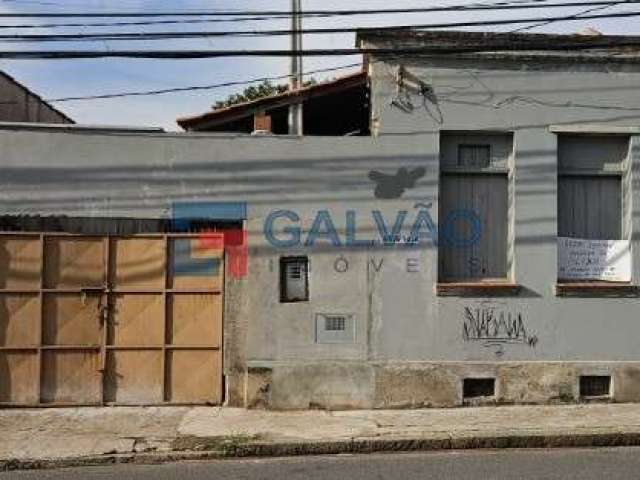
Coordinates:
[335,328]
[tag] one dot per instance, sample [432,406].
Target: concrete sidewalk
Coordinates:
[82,436]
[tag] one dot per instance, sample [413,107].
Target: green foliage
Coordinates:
[255,92]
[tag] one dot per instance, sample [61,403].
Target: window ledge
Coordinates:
[596,289]
[470,289]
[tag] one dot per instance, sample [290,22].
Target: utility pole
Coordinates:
[296,81]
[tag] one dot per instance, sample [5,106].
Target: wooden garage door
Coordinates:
[88,320]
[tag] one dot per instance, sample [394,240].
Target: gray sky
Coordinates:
[61,78]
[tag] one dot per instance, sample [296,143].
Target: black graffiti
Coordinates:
[496,326]
[394,186]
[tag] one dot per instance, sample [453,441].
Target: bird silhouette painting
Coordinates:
[393,186]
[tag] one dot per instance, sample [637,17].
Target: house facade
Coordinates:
[479,247]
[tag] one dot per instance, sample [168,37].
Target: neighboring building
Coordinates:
[480,247]
[334,108]
[19,104]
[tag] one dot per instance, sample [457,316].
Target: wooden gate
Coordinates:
[87,320]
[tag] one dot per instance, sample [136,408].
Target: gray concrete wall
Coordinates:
[404,331]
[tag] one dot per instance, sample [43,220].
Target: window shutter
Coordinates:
[476,156]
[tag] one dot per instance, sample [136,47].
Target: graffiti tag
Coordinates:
[496,326]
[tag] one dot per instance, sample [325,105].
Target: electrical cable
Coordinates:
[195,88]
[505,46]
[133,36]
[153,22]
[577,15]
[503,5]
[499,6]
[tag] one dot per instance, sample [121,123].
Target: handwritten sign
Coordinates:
[604,260]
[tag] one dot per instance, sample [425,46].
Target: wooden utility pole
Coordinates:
[296,81]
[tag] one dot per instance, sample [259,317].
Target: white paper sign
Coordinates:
[604,260]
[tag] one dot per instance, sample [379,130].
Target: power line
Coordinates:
[503,5]
[576,15]
[195,88]
[498,105]
[501,104]
[325,14]
[152,22]
[133,36]
[145,93]
[507,45]
[499,5]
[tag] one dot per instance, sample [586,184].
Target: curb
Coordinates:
[355,446]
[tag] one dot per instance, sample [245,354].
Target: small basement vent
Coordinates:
[595,386]
[478,387]
[335,328]
[335,323]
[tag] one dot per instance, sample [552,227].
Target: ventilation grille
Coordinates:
[335,323]
[335,328]
[595,386]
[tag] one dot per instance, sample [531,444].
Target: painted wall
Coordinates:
[390,290]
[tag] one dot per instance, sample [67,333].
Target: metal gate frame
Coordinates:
[45,353]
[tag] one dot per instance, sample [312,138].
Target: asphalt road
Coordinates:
[585,464]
